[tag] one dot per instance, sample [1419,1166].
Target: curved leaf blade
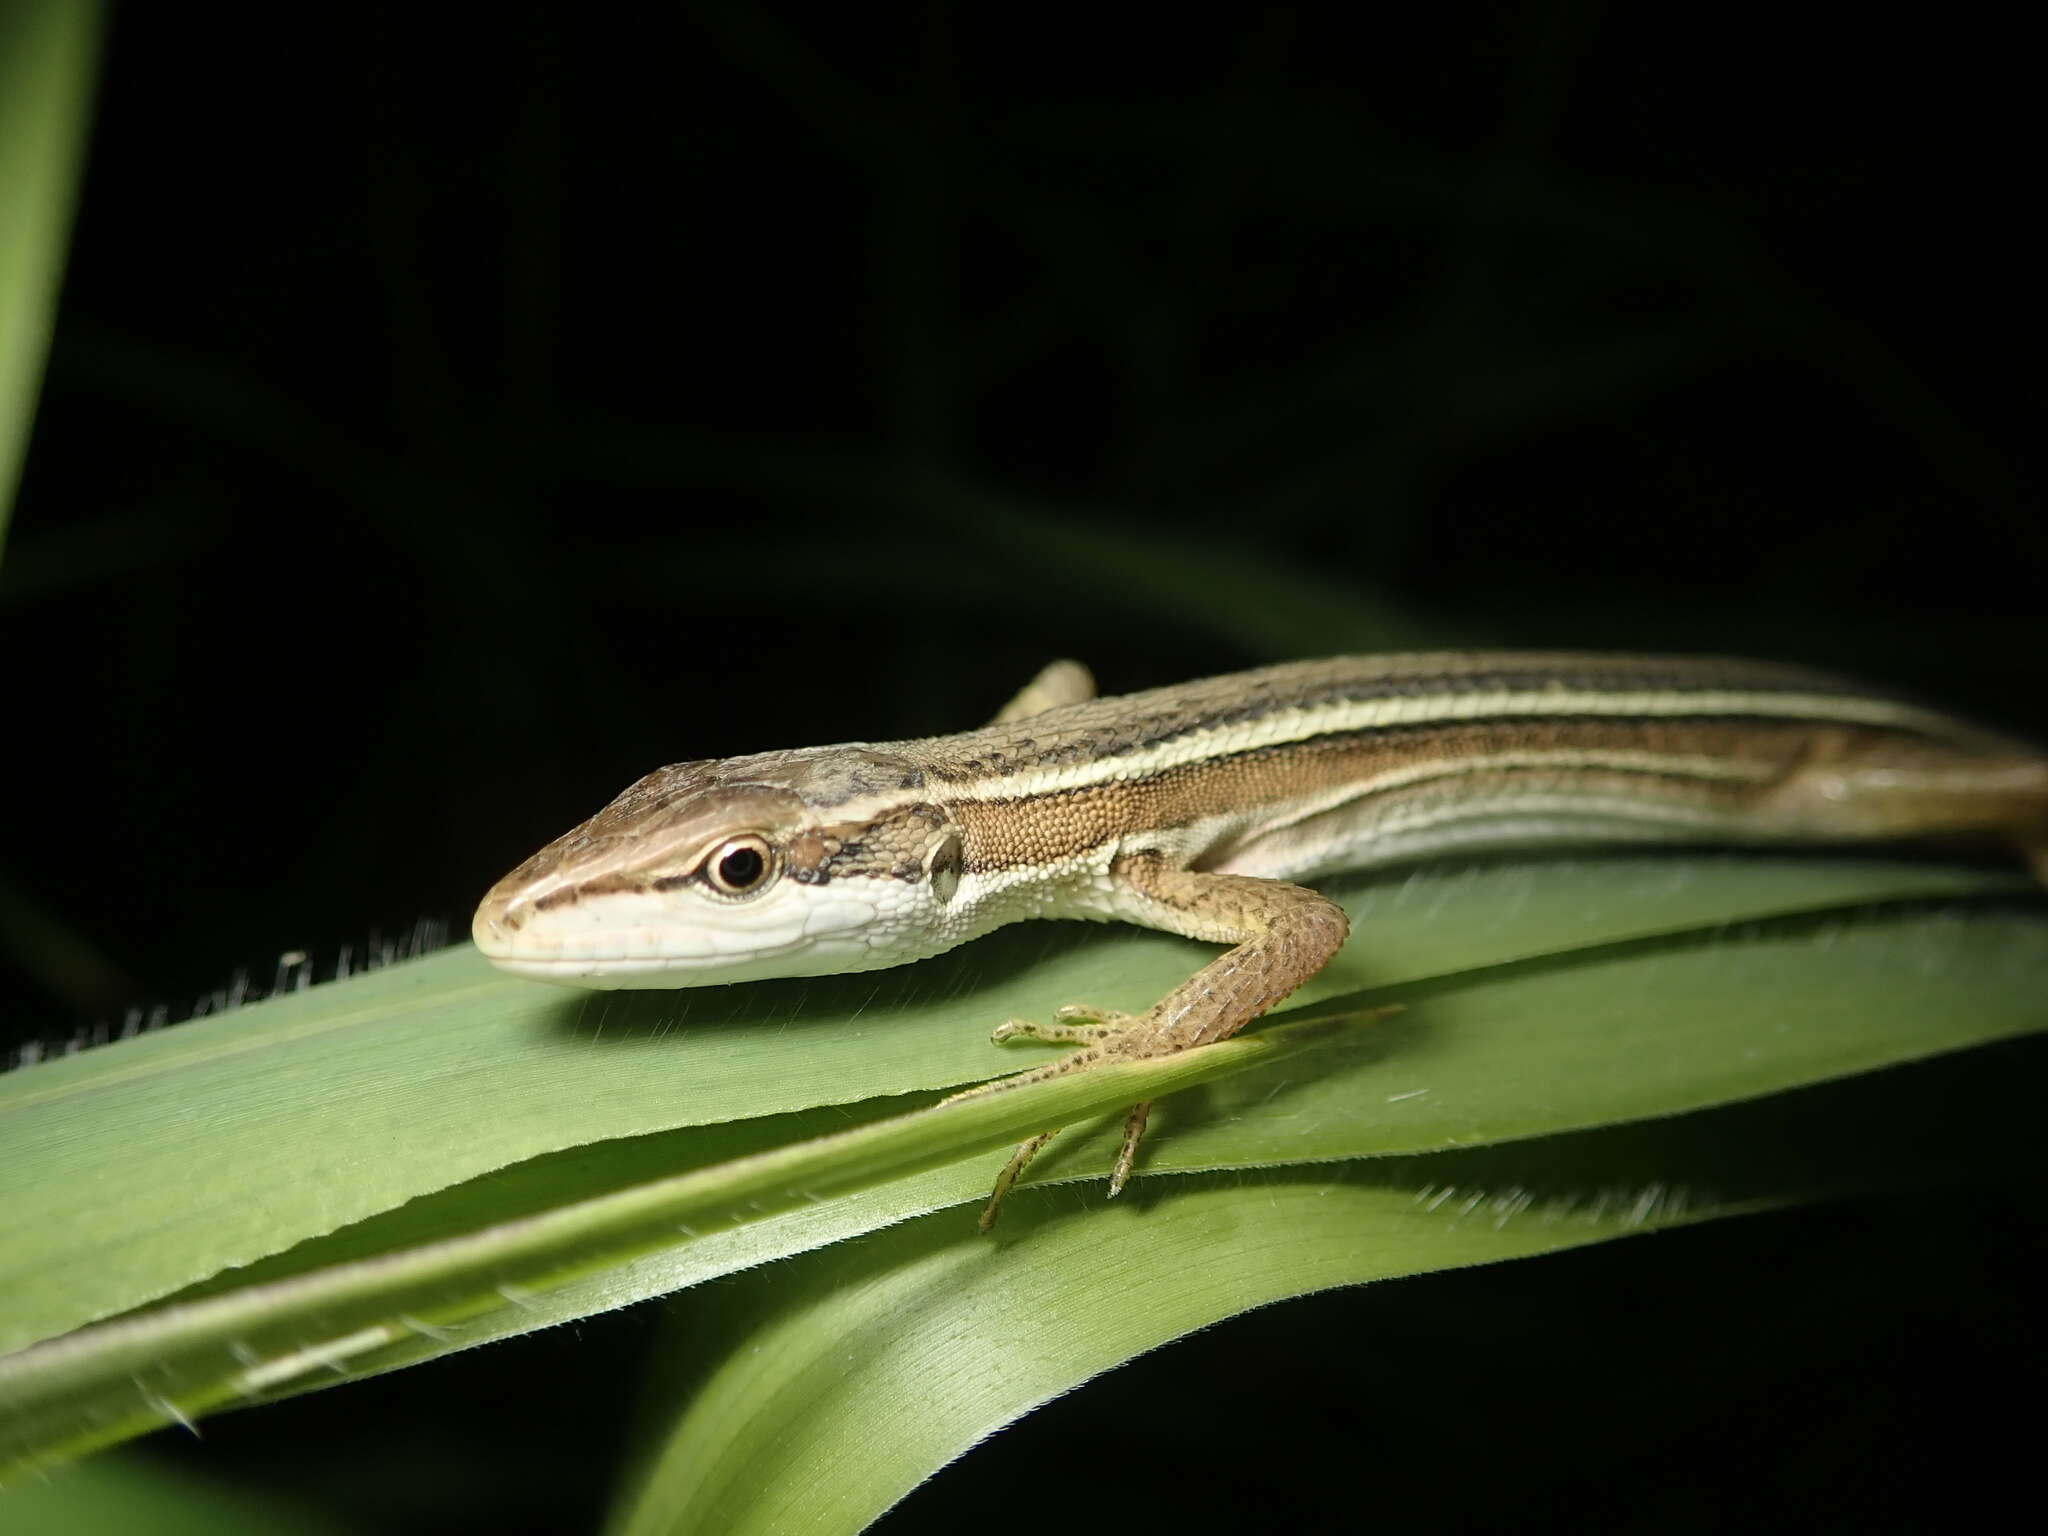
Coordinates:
[1557,1031]
[131,1167]
[124,1377]
[816,1397]
[1516,1052]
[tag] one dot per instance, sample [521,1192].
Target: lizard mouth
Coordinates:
[618,972]
[629,940]
[640,958]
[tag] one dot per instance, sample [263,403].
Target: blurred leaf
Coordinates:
[48,50]
[62,959]
[1240,592]
[132,1493]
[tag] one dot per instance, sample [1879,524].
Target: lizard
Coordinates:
[1203,809]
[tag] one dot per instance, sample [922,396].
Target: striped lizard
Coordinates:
[1197,809]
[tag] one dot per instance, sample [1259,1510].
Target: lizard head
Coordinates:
[800,863]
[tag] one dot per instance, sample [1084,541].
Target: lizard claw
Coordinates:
[1078,1024]
[1088,1013]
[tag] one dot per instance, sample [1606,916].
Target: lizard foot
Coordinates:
[1103,1035]
[1074,1024]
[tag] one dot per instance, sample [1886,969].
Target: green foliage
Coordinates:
[376,1172]
[47,53]
[814,1397]
[122,1493]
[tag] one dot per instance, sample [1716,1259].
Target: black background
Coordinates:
[456,412]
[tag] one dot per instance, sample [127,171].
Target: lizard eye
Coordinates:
[740,866]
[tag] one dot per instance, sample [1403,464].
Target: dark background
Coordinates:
[455,413]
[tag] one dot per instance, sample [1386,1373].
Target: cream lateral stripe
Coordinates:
[1565,808]
[1288,725]
[1690,766]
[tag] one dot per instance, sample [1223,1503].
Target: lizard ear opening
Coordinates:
[943,869]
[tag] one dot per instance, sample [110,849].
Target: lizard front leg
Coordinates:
[1282,935]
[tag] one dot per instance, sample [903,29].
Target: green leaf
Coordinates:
[422,1075]
[105,1384]
[131,1168]
[813,1398]
[47,53]
[129,1493]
